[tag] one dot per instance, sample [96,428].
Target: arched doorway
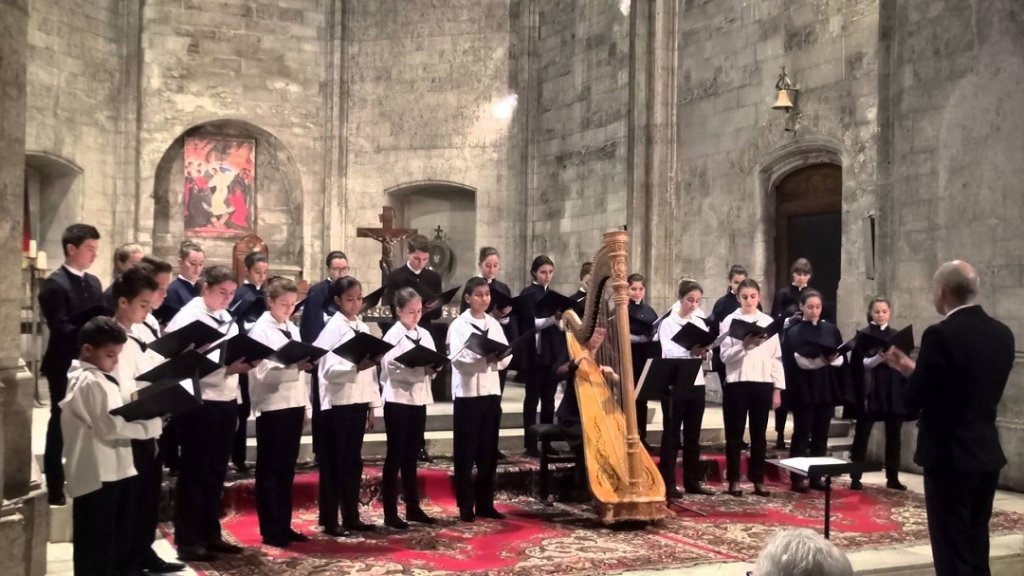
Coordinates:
[430,204]
[808,224]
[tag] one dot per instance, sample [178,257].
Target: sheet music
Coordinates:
[804,463]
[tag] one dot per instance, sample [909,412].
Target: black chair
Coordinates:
[546,434]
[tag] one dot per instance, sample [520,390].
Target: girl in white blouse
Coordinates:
[406,395]
[476,388]
[348,394]
[280,397]
[754,379]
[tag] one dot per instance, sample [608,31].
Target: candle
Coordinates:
[31,248]
[41,260]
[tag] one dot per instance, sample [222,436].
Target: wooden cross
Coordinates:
[388,236]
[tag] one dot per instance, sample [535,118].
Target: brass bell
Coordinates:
[784,93]
[782,101]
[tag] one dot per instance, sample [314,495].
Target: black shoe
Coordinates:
[337,531]
[359,526]
[424,456]
[419,516]
[297,536]
[759,490]
[895,485]
[698,489]
[396,523]
[673,493]
[800,487]
[222,547]
[157,565]
[856,485]
[241,467]
[277,541]
[490,513]
[195,554]
[817,484]
[780,442]
[745,445]
[467,515]
[57,499]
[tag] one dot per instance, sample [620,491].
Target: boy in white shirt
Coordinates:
[98,452]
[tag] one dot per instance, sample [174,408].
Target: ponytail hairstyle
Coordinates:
[404,296]
[123,253]
[877,300]
[808,294]
[187,247]
[486,252]
[687,286]
[254,258]
[538,262]
[737,270]
[749,283]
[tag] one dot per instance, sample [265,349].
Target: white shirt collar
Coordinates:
[192,282]
[957,309]
[411,269]
[75,271]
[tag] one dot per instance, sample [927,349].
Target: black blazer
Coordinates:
[318,303]
[404,277]
[961,372]
[529,354]
[62,295]
[179,293]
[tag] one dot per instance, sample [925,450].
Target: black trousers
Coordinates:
[101,523]
[861,435]
[687,411]
[781,414]
[145,499]
[959,506]
[53,455]
[170,446]
[810,430]
[742,401]
[476,424]
[241,431]
[207,433]
[541,386]
[341,468]
[316,422]
[278,433]
[405,424]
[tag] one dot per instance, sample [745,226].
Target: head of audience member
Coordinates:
[737,274]
[955,284]
[218,288]
[419,253]
[191,260]
[543,270]
[489,262]
[126,256]
[162,274]
[337,265]
[256,268]
[801,552]
[801,272]
[81,243]
[100,342]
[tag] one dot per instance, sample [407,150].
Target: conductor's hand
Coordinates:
[776,399]
[238,367]
[899,361]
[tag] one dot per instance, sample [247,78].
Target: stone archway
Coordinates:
[48,181]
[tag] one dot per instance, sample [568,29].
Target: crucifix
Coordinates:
[388,236]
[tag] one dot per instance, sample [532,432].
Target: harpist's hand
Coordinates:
[609,374]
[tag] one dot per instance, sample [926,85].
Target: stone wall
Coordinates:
[261,63]
[579,146]
[733,147]
[422,81]
[956,122]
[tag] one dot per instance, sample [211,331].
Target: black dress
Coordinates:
[821,387]
[878,393]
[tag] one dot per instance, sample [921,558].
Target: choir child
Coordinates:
[880,393]
[476,389]
[98,448]
[687,409]
[814,381]
[641,342]
[489,264]
[125,256]
[247,307]
[318,308]
[67,291]
[191,260]
[754,378]
[538,353]
[580,296]
[724,306]
[785,311]
[134,292]
[350,394]
[406,395]
[207,432]
[280,397]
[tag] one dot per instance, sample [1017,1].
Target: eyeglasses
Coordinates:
[342,270]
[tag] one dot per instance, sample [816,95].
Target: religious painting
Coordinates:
[220,186]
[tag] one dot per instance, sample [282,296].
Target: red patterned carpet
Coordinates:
[565,539]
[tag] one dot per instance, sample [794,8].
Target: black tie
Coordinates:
[286,333]
[153,331]
[111,379]
[139,341]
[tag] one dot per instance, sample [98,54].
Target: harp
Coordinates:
[623,479]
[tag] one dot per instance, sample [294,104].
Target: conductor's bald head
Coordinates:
[955,284]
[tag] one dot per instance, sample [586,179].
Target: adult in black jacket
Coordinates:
[191,260]
[69,290]
[956,383]
[415,274]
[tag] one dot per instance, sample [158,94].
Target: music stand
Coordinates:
[669,377]
[825,467]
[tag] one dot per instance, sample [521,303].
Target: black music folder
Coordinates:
[691,336]
[362,346]
[165,313]
[189,364]
[295,351]
[242,346]
[484,346]
[372,300]
[500,301]
[740,329]
[641,327]
[433,301]
[660,374]
[160,399]
[249,309]
[81,317]
[553,303]
[197,334]
[420,356]
[872,342]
